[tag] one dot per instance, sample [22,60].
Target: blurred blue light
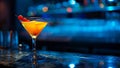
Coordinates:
[110,8]
[110,67]
[111,0]
[77,5]
[72,65]
[110,59]
[65,4]
[45,16]
[31,8]
[113,23]
[58,5]
[72,2]
[40,7]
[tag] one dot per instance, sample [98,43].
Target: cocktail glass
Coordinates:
[34,27]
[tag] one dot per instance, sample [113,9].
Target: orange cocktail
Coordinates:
[34,28]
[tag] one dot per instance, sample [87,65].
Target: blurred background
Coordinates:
[85,26]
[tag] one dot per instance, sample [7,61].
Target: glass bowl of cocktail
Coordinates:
[34,26]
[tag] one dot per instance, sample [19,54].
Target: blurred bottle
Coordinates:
[14,39]
[6,39]
[10,40]
[5,36]
[1,38]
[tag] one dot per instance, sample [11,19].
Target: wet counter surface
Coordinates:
[52,59]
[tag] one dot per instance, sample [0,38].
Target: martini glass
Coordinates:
[34,27]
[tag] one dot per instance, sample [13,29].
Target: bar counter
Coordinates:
[53,59]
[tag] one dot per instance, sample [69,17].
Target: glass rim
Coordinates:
[39,18]
[32,17]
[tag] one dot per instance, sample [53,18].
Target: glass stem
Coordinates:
[34,55]
[34,44]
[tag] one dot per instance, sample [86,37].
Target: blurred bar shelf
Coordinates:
[84,10]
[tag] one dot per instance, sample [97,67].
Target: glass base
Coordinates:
[37,59]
